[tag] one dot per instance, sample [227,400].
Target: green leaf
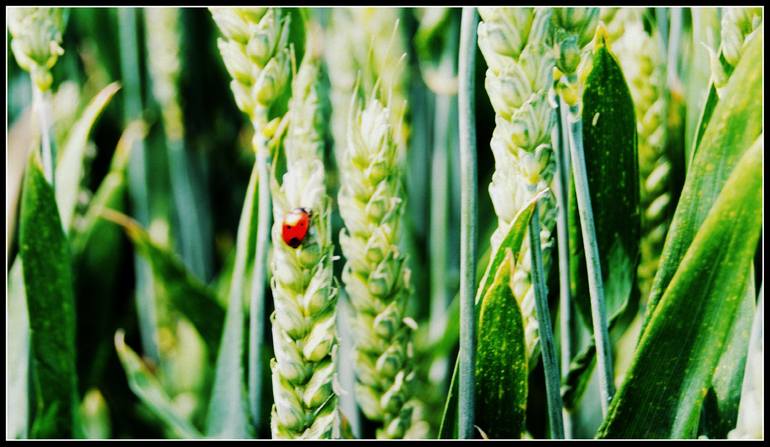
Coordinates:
[708,109]
[734,126]
[146,386]
[17,404]
[110,194]
[501,360]
[724,395]
[705,33]
[612,165]
[663,392]
[69,169]
[577,378]
[50,300]
[187,294]
[511,243]
[228,410]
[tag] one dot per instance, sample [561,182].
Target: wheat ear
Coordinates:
[513,41]
[304,292]
[377,281]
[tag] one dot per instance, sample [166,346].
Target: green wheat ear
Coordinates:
[37,38]
[256,53]
[304,290]
[377,281]
[739,26]
[514,43]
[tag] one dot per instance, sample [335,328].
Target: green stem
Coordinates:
[561,192]
[468,217]
[42,101]
[187,208]
[547,347]
[137,178]
[593,265]
[257,302]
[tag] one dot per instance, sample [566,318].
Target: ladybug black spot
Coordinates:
[294,242]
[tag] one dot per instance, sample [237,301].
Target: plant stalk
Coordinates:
[561,191]
[595,285]
[137,179]
[468,217]
[42,101]
[547,347]
[257,301]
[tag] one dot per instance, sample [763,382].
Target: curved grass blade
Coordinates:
[228,411]
[69,169]
[690,326]
[734,126]
[144,384]
[187,294]
[50,300]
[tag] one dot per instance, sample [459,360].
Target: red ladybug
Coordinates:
[295,226]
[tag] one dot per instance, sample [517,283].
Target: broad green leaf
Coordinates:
[69,169]
[609,143]
[501,360]
[146,386]
[724,395]
[511,243]
[48,284]
[662,394]
[228,411]
[734,126]
[17,403]
[186,293]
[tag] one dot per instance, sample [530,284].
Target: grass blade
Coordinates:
[690,325]
[144,384]
[50,300]
[70,168]
[734,126]
[228,411]
[186,293]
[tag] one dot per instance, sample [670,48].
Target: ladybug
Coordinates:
[295,226]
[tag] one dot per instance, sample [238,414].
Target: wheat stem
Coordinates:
[593,265]
[468,218]
[137,179]
[548,350]
[561,180]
